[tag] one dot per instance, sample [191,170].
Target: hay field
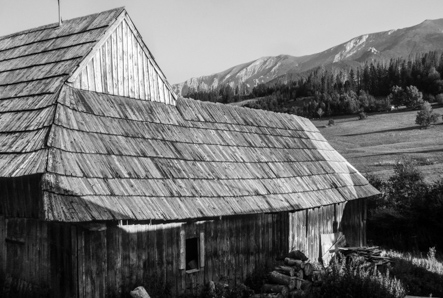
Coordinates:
[373,145]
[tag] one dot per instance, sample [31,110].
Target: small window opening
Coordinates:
[192,253]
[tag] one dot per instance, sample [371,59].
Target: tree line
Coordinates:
[224,93]
[373,86]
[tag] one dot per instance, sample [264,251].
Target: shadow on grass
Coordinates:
[400,153]
[383,131]
[418,280]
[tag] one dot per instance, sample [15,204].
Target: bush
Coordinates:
[362,116]
[429,98]
[257,278]
[382,104]
[331,122]
[413,97]
[439,98]
[397,96]
[354,279]
[408,215]
[406,185]
[426,116]
[221,290]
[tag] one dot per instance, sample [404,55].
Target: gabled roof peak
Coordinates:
[38,61]
[65,22]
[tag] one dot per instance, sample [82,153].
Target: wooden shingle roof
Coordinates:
[111,157]
[34,64]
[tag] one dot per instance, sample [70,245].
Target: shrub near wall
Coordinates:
[408,215]
[354,280]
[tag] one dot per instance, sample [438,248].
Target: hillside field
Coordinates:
[374,145]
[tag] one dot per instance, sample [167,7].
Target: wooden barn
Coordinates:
[108,181]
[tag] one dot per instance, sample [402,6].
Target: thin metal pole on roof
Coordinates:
[59,14]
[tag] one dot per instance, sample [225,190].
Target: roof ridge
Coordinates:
[234,107]
[54,25]
[98,43]
[243,109]
[49,135]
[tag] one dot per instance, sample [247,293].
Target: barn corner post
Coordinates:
[364,221]
[2,250]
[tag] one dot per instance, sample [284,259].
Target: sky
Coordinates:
[191,38]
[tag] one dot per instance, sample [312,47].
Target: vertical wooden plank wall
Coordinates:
[121,67]
[297,232]
[124,257]
[353,223]
[71,261]
[26,259]
[23,258]
[326,223]
[20,197]
[313,237]
[2,250]
[306,226]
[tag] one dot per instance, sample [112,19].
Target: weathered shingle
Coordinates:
[162,162]
[34,64]
[109,157]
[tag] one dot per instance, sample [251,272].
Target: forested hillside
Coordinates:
[324,93]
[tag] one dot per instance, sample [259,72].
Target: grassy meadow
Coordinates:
[374,145]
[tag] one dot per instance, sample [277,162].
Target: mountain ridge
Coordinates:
[423,37]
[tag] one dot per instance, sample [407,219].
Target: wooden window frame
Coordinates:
[200,252]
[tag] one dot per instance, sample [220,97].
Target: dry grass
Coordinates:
[373,145]
[430,263]
[408,274]
[421,275]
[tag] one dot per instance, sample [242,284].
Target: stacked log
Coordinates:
[291,278]
[282,279]
[277,289]
[369,256]
[295,274]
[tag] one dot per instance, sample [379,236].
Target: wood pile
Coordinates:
[368,254]
[292,277]
[365,257]
[295,274]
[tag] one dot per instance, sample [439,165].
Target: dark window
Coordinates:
[192,253]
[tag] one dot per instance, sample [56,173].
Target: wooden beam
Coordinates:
[202,249]
[182,248]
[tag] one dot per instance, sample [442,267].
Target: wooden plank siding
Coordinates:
[20,197]
[68,260]
[353,223]
[71,261]
[122,67]
[25,258]
[306,226]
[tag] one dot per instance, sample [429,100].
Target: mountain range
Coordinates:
[424,37]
